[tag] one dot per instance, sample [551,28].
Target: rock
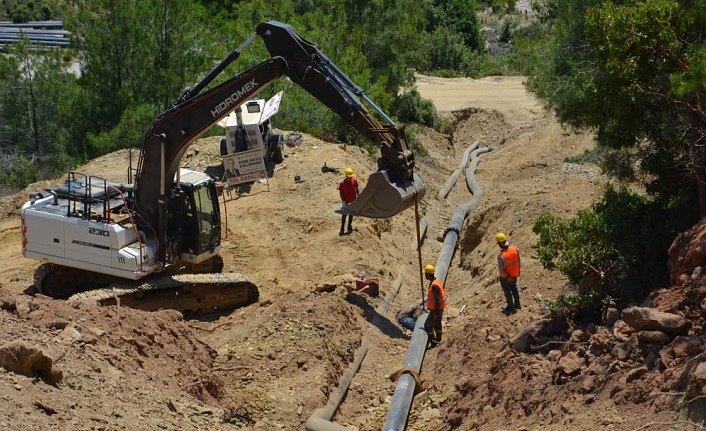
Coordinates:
[612,316]
[57,324]
[655,337]
[687,252]
[23,306]
[666,355]
[686,346]
[570,364]
[554,355]
[588,384]
[636,374]
[649,319]
[29,361]
[577,336]
[696,384]
[522,341]
[35,315]
[621,330]
[69,334]
[98,332]
[326,286]
[600,340]
[620,352]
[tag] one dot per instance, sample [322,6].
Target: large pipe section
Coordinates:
[452,232]
[406,384]
[457,173]
[320,419]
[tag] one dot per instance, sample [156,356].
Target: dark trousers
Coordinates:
[512,295]
[350,221]
[433,326]
[408,322]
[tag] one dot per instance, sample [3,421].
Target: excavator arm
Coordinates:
[389,191]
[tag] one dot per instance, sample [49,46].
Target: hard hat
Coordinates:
[429,269]
[500,238]
[349,172]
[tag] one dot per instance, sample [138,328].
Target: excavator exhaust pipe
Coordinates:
[381,198]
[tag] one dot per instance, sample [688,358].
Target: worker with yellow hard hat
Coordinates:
[508,271]
[436,302]
[348,189]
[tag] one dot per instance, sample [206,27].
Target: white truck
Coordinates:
[248,128]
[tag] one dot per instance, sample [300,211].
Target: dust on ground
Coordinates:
[271,364]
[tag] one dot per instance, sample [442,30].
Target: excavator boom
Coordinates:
[387,193]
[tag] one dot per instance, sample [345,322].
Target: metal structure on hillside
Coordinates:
[43,33]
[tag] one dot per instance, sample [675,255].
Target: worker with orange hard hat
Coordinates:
[348,189]
[508,271]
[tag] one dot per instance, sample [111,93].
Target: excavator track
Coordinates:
[188,293]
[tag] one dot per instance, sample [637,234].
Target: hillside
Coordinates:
[270,365]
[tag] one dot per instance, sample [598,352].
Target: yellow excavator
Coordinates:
[154,242]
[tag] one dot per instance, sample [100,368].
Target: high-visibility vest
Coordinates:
[431,305]
[509,262]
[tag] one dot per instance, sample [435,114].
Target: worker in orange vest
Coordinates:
[436,302]
[508,271]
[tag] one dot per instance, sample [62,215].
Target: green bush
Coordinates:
[618,248]
[444,125]
[510,24]
[594,155]
[127,134]
[17,172]
[412,108]
[445,50]
[414,143]
[588,306]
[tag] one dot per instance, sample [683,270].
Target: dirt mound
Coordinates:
[107,357]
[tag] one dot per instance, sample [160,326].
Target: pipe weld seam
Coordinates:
[452,229]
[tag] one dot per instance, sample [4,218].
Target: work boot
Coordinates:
[340,232]
[508,310]
[350,230]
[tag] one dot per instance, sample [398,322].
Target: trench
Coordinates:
[408,381]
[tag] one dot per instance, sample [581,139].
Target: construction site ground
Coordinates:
[268,366]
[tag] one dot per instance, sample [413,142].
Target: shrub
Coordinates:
[412,108]
[414,143]
[616,249]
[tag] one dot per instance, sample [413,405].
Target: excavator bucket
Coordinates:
[382,198]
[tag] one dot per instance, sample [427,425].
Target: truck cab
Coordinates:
[248,127]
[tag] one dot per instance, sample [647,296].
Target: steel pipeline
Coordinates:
[406,384]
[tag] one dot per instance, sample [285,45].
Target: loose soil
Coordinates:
[268,366]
